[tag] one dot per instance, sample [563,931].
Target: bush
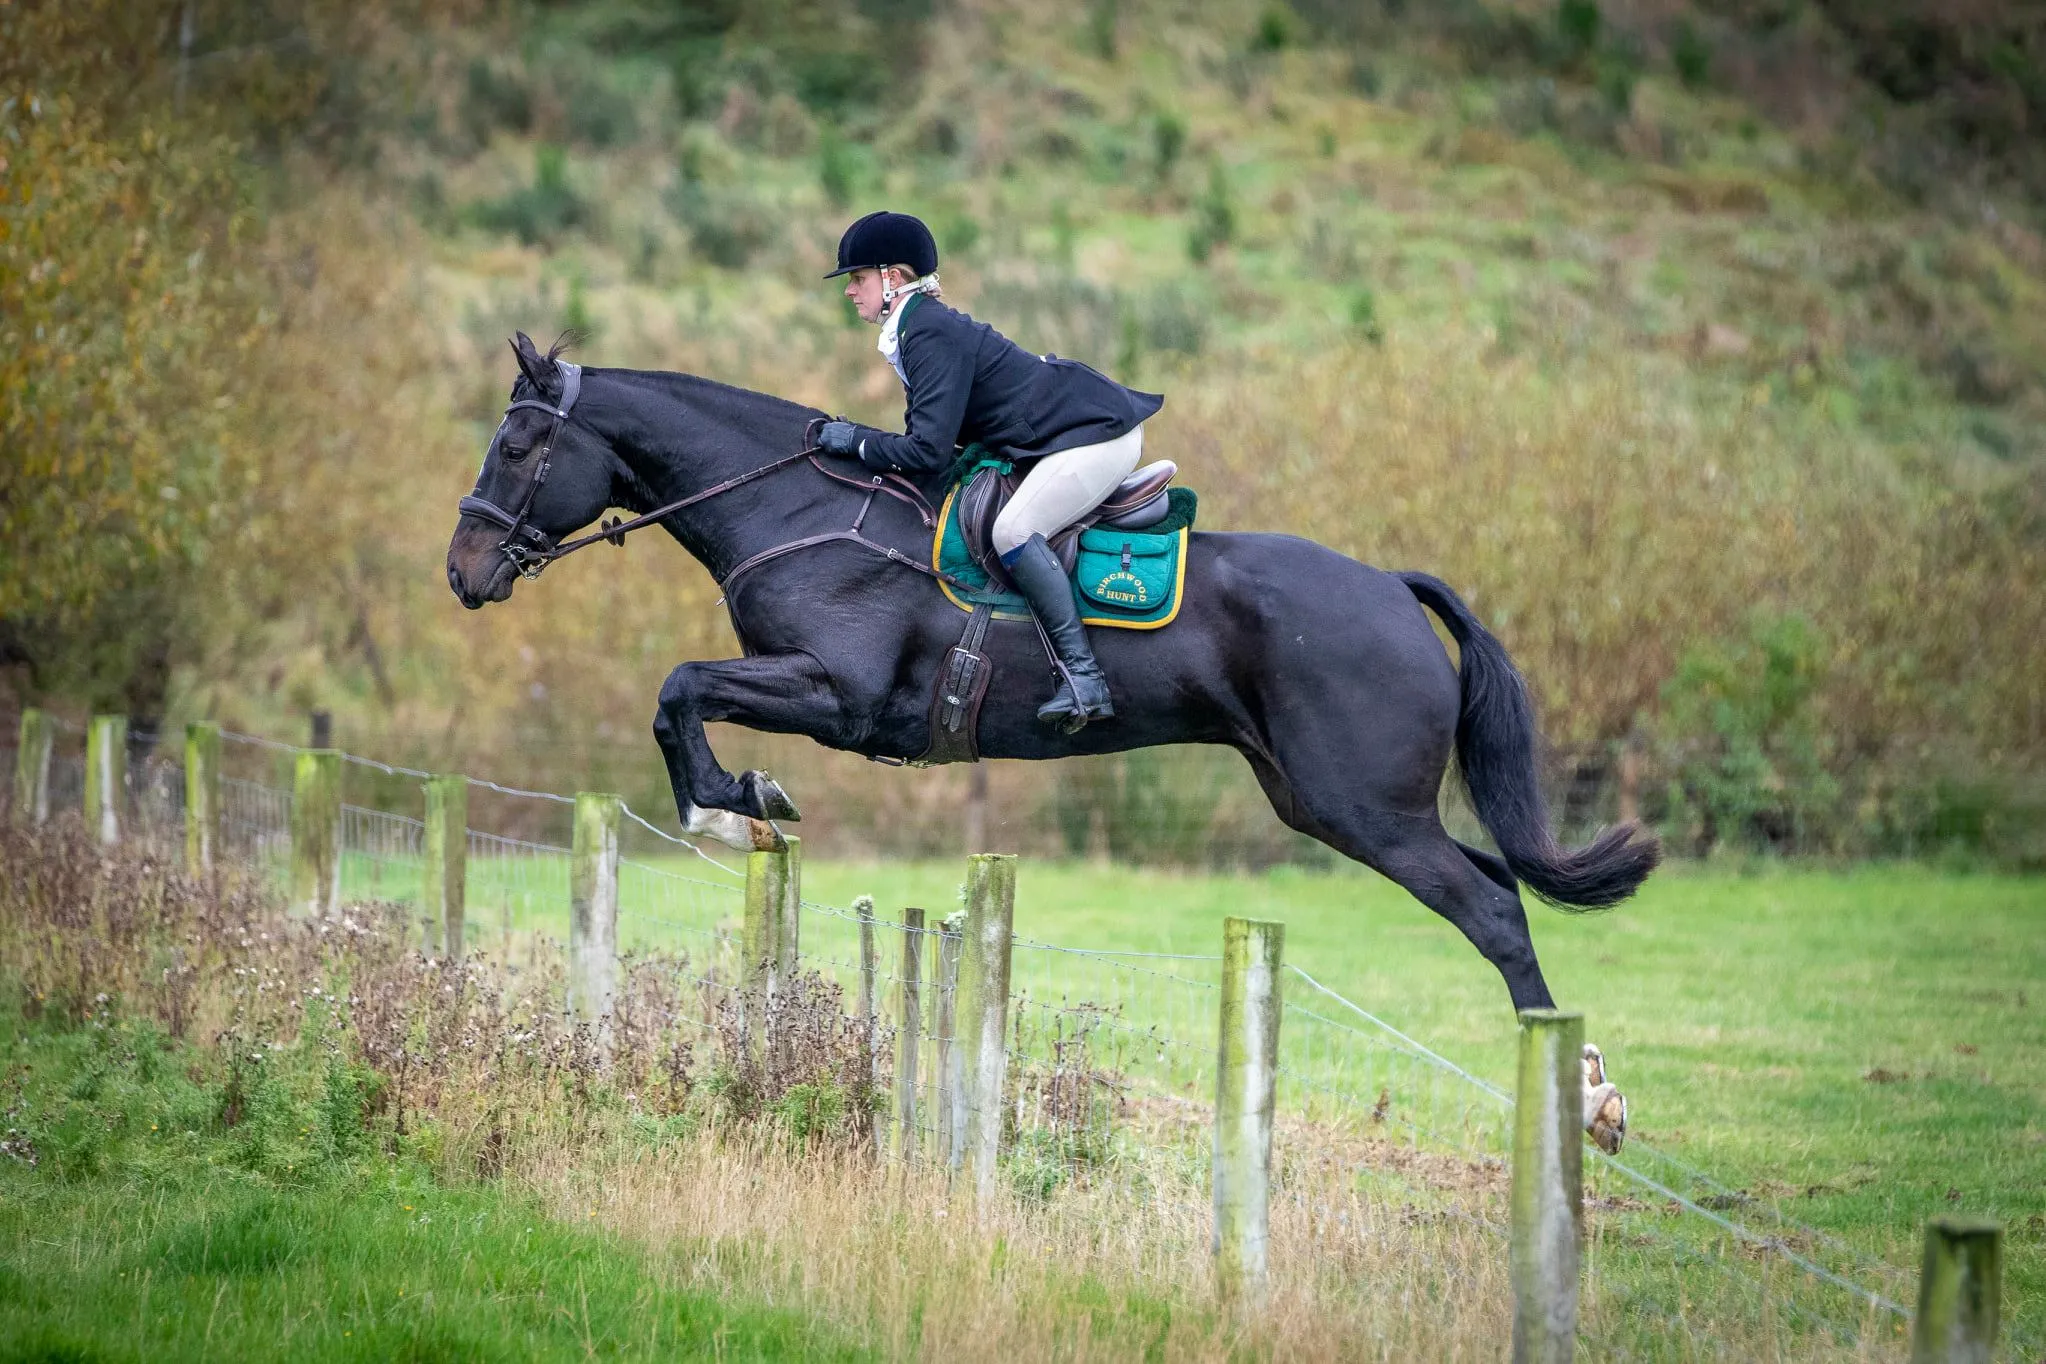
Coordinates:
[1274,29]
[1214,218]
[1690,55]
[1168,140]
[835,168]
[494,98]
[1173,321]
[1749,757]
[1364,316]
[1102,22]
[726,223]
[1577,24]
[539,213]
[597,115]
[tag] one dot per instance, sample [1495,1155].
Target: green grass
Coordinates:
[1864,1049]
[138,1236]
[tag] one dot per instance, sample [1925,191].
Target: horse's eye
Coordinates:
[515,453]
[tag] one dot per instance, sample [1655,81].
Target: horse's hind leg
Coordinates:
[1456,882]
[1414,851]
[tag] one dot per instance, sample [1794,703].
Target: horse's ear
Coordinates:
[539,371]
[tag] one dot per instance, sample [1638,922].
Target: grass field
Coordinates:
[1861,1049]
[1851,1052]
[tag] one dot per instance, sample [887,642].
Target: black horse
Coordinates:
[1324,673]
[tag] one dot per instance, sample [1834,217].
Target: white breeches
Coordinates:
[1064,487]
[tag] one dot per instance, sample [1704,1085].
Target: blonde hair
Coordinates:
[910,276]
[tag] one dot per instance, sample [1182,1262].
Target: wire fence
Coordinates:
[1111,1075]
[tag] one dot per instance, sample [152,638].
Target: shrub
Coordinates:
[1364,316]
[1274,29]
[1690,55]
[1748,751]
[597,115]
[1168,140]
[1102,23]
[1577,24]
[493,98]
[541,212]
[726,223]
[835,167]
[1173,321]
[1214,217]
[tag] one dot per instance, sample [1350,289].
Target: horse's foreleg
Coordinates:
[781,693]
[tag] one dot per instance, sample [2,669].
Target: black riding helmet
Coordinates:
[883,239]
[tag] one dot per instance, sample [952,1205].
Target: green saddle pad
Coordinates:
[1125,579]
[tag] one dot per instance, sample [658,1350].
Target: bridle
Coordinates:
[531,549]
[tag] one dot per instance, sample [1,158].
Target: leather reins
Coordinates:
[530,549]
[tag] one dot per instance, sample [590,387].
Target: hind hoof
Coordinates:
[1605,1108]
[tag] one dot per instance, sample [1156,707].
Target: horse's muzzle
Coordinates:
[478,569]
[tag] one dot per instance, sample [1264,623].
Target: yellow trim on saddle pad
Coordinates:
[1010,613]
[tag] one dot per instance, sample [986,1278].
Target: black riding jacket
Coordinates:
[967,382]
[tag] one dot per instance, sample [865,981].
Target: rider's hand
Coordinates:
[839,438]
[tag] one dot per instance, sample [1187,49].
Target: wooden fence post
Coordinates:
[1548,1186]
[316,831]
[908,1033]
[1960,1293]
[202,798]
[947,1071]
[443,890]
[32,765]
[768,937]
[106,776]
[593,909]
[863,906]
[1246,1079]
[983,1009]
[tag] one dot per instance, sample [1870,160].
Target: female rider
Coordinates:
[1077,432]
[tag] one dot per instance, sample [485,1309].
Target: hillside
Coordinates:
[1700,347]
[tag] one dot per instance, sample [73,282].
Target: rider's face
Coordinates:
[863,287]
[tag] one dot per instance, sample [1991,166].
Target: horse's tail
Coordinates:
[1495,746]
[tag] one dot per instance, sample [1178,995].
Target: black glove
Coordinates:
[839,438]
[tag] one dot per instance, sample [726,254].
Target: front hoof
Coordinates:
[1605,1108]
[767,798]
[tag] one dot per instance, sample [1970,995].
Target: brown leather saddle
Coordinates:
[1138,502]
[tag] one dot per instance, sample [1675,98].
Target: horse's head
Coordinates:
[544,475]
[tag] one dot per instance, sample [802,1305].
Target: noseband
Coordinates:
[528,547]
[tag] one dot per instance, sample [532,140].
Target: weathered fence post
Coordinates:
[908,1033]
[1548,1186]
[863,907]
[316,831]
[983,1009]
[443,891]
[593,910]
[774,892]
[202,797]
[1960,1293]
[106,775]
[1246,1079]
[947,1072]
[32,765]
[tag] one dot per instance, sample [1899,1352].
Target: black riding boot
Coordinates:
[1083,692]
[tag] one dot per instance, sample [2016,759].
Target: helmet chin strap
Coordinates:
[889,292]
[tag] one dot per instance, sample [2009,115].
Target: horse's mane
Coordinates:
[768,404]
